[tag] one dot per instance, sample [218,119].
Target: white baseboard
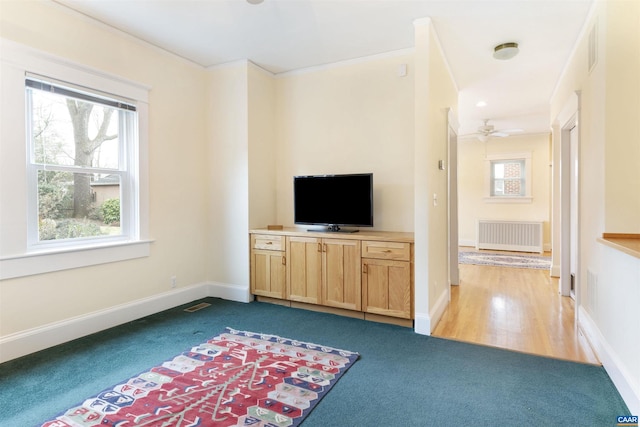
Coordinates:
[36,339]
[555,271]
[422,324]
[229,292]
[425,323]
[471,243]
[438,309]
[624,382]
[467,243]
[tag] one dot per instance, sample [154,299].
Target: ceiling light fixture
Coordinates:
[505,51]
[254,1]
[481,104]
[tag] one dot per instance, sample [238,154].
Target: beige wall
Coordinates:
[224,141]
[622,148]
[435,94]
[472,184]
[262,148]
[227,154]
[608,291]
[352,117]
[177,168]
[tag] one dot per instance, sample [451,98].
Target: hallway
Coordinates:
[514,308]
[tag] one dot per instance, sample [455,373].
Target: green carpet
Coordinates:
[401,378]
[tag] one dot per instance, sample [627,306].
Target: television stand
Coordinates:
[367,274]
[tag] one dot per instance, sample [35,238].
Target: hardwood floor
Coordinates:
[516,309]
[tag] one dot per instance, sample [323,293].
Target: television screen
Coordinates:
[334,200]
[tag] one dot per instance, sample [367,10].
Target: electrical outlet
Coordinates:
[173,282]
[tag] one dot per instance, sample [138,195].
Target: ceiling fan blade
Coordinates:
[499,134]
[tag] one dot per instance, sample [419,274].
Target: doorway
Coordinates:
[569,208]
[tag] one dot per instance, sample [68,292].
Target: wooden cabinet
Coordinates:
[268,264]
[324,271]
[304,270]
[387,285]
[341,282]
[365,272]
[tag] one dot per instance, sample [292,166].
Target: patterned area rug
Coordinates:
[504,260]
[237,378]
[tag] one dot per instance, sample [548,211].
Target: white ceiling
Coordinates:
[285,35]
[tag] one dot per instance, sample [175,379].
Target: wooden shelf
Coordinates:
[628,243]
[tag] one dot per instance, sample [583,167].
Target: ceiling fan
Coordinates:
[487,131]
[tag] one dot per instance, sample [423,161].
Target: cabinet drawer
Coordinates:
[267,242]
[386,250]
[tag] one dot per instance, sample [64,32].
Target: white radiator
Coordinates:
[521,236]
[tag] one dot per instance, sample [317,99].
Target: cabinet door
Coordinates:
[341,277]
[268,273]
[304,272]
[386,287]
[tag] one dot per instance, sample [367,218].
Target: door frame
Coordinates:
[452,199]
[568,180]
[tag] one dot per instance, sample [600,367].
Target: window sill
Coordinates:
[65,259]
[508,199]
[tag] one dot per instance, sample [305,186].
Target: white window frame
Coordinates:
[505,157]
[19,256]
[126,171]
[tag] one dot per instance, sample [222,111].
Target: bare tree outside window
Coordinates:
[75,149]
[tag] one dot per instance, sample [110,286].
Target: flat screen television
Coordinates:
[334,200]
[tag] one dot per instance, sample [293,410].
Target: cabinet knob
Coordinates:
[364,268]
[319,247]
[284,260]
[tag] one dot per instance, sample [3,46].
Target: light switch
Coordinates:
[402,70]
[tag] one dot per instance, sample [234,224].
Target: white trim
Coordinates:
[324,67]
[436,312]
[242,63]
[527,198]
[118,32]
[624,382]
[508,199]
[586,26]
[18,257]
[65,259]
[40,338]
[229,292]
[45,64]
[436,38]
[467,243]
[232,64]
[36,339]
[422,324]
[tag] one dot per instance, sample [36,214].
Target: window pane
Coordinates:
[68,131]
[513,187]
[76,205]
[507,178]
[498,170]
[512,170]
